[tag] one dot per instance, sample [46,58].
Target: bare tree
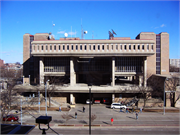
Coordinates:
[171,86]
[67,116]
[93,117]
[9,96]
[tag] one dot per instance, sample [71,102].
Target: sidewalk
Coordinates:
[146,119]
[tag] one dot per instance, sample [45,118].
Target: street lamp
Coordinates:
[90,86]
[29,79]
[164,96]
[46,95]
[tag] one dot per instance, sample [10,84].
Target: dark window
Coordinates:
[55,47]
[124,47]
[85,47]
[41,47]
[129,47]
[72,47]
[103,47]
[68,47]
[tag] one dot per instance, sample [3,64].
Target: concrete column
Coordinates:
[41,71]
[168,101]
[113,97]
[145,71]
[140,80]
[113,72]
[72,99]
[72,72]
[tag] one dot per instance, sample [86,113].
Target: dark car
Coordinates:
[11,118]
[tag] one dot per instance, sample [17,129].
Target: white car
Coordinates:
[117,106]
[88,101]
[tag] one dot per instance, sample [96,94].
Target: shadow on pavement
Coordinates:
[105,123]
[131,117]
[83,122]
[59,121]
[80,110]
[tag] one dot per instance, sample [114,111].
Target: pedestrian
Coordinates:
[59,109]
[140,109]
[127,110]
[136,115]
[112,121]
[75,115]
[132,109]
[83,109]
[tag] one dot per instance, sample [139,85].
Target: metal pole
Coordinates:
[21,111]
[39,100]
[46,96]
[90,111]
[29,79]
[164,97]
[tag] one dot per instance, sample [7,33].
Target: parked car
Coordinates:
[88,101]
[117,106]
[97,101]
[11,118]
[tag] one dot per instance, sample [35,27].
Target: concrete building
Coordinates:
[174,62]
[111,65]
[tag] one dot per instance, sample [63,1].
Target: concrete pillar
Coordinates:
[41,71]
[140,80]
[168,101]
[72,99]
[145,72]
[113,72]
[113,97]
[72,72]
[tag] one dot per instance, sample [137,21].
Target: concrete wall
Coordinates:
[164,53]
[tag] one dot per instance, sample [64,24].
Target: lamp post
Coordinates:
[29,79]
[90,86]
[46,95]
[164,96]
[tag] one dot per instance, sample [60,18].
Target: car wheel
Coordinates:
[12,120]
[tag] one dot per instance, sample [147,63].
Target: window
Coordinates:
[63,47]
[80,47]
[89,47]
[152,47]
[138,47]
[147,47]
[116,47]
[129,47]
[67,47]
[121,47]
[107,47]
[76,47]
[98,47]
[134,47]
[112,47]
[59,47]
[54,47]
[103,47]
[142,47]
[38,47]
[85,47]
[72,47]
[124,47]
[94,47]
[46,47]
[42,47]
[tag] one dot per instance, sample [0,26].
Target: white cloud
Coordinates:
[72,33]
[61,32]
[163,25]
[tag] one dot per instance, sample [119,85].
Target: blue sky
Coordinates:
[126,18]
